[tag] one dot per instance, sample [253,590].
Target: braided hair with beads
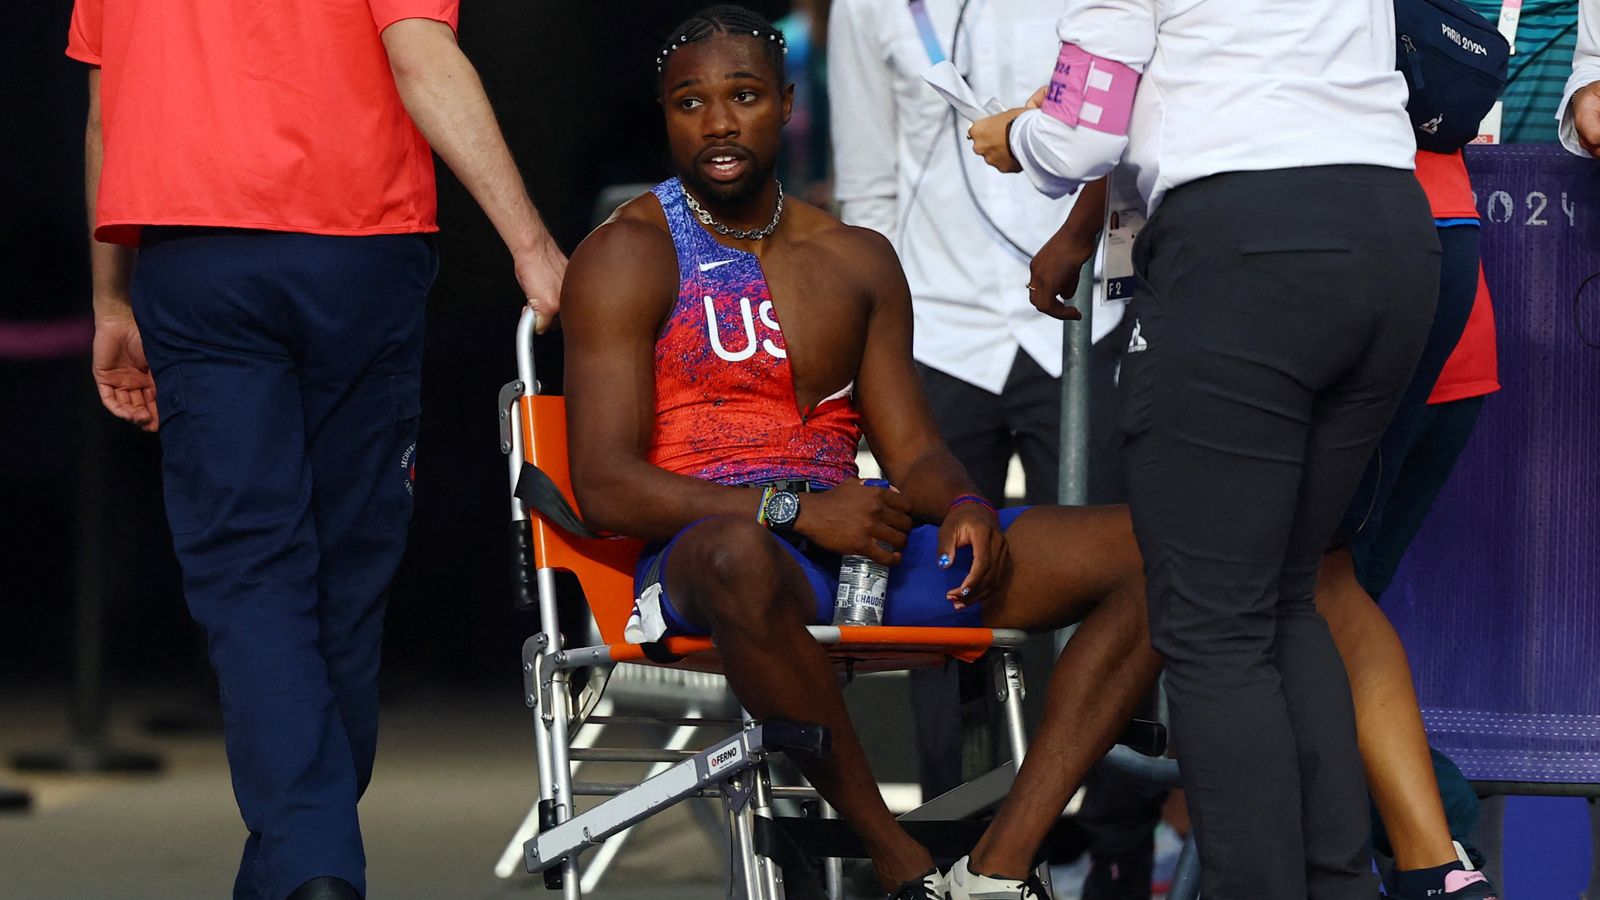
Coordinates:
[725,18]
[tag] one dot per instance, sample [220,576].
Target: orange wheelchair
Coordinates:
[678,680]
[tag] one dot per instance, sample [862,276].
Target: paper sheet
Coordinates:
[944,78]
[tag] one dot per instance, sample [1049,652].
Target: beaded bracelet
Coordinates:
[761,509]
[974,498]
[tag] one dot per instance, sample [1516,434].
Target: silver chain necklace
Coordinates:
[737,233]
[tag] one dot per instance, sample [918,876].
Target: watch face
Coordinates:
[783,508]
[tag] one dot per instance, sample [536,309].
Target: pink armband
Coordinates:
[1090,91]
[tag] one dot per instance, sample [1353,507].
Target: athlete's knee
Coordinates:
[734,571]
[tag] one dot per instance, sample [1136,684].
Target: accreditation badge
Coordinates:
[1126,217]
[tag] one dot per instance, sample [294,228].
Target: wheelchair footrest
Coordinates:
[801,738]
[944,840]
[710,767]
[834,837]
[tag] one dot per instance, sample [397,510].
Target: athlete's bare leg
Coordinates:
[730,576]
[1394,746]
[1068,562]
[1068,559]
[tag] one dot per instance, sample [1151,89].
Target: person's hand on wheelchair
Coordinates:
[857,518]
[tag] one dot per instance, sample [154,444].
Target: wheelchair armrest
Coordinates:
[1146,737]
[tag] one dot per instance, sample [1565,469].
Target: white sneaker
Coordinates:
[964,884]
[930,887]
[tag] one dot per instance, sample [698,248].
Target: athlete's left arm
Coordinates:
[901,432]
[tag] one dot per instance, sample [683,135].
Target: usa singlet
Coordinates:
[726,409]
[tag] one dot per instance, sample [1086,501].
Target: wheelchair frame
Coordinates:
[733,768]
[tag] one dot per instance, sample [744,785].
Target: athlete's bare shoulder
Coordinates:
[862,252]
[628,259]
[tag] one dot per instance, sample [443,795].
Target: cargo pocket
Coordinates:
[398,489]
[186,483]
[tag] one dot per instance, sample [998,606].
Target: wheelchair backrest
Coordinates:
[604,566]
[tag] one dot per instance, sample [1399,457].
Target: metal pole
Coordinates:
[86,750]
[1072,486]
[1186,878]
[1072,480]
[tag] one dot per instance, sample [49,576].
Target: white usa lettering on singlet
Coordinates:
[764,312]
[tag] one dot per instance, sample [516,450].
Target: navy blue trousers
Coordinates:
[288,378]
[1364,523]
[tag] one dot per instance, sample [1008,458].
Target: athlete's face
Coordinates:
[725,108]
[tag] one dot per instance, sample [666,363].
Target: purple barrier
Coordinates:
[1499,600]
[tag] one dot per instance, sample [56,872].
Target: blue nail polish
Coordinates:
[966,591]
[944,560]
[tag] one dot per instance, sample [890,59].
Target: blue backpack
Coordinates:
[1454,61]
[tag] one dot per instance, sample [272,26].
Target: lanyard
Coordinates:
[930,38]
[1510,16]
[1493,123]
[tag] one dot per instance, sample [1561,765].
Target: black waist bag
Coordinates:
[1454,61]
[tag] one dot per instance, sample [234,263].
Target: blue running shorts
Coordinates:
[917,586]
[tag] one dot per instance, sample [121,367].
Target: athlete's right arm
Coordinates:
[619,288]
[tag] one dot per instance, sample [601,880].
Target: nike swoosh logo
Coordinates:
[706,267]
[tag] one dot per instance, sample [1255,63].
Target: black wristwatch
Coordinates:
[780,510]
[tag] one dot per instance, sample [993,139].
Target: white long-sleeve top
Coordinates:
[1228,86]
[902,164]
[1585,71]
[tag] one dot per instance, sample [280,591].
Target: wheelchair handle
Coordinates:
[525,369]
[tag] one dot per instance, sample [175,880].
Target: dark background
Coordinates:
[574,85]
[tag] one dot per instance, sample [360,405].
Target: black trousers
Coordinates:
[984,430]
[1280,315]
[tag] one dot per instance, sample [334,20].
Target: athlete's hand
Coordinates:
[1054,272]
[974,525]
[540,270]
[1586,117]
[991,140]
[121,373]
[855,518]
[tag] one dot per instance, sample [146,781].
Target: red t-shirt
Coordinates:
[1473,368]
[1444,179]
[280,115]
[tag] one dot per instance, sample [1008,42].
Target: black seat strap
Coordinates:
[538,492]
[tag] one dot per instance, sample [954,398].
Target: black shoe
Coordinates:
[326,887]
